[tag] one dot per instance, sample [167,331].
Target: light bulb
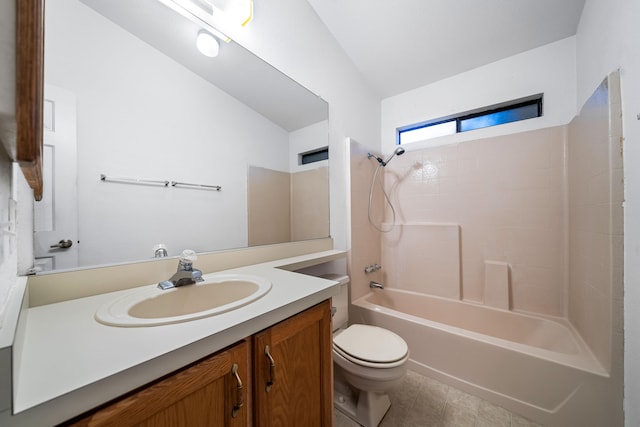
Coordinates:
[207,44]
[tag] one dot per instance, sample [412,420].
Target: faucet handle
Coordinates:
[187,258]
[188,255]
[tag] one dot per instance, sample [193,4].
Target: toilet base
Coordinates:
[365,408]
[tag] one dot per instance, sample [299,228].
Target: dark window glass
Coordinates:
[314,156]
[499,118]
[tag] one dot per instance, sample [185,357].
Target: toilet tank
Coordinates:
[340,302]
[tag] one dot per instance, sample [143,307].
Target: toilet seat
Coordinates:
[371,346]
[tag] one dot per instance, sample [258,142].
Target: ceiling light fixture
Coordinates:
[237,11]
[205,12]
[195,14]
[207,44]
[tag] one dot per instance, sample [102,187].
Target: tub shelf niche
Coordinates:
[497,286]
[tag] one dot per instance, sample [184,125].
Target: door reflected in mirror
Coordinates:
[148,109]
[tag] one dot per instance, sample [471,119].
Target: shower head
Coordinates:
[397,152]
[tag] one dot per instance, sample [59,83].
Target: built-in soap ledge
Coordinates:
[497,284]
[305,262]
[50,288]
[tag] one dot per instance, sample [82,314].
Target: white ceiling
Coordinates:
[399,45]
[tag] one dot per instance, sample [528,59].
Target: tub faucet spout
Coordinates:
[375,285]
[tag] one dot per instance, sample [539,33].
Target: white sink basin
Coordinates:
[151,306]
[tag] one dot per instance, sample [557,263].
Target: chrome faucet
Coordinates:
[160,251]
[186,274]
[375,285]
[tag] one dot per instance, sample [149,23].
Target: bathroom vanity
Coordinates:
[70,368]
[281,376]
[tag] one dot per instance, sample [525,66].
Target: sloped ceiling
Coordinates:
[399,45]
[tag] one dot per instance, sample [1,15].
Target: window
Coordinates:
[512,111]
[314,156]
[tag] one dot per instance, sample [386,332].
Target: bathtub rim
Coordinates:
[584,360]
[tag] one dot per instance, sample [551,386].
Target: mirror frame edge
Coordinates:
[30,91]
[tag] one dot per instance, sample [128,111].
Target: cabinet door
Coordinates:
[293,371]
[204,394]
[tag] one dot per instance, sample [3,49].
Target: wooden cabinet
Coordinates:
[204,394]
[293,371]
[286,373]
[30,91]
[21,86]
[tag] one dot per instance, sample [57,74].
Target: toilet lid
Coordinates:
[371,344]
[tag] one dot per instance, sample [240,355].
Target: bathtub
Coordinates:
[535,366]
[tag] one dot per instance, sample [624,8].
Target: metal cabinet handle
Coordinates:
[62,244]
[272,369]
[239,397]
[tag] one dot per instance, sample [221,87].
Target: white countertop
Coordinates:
[69,363]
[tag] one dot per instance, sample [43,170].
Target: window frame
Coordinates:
[313,156]
[536,99]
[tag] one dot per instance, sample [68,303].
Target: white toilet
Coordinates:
[367,362]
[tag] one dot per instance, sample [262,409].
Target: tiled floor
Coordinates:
[423,402]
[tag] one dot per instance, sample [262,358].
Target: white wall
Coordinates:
[8,253]
[290,36]
[142,115]
[7,108]
[549,69]
[607,39]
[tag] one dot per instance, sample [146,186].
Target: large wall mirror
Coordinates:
[132,108]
